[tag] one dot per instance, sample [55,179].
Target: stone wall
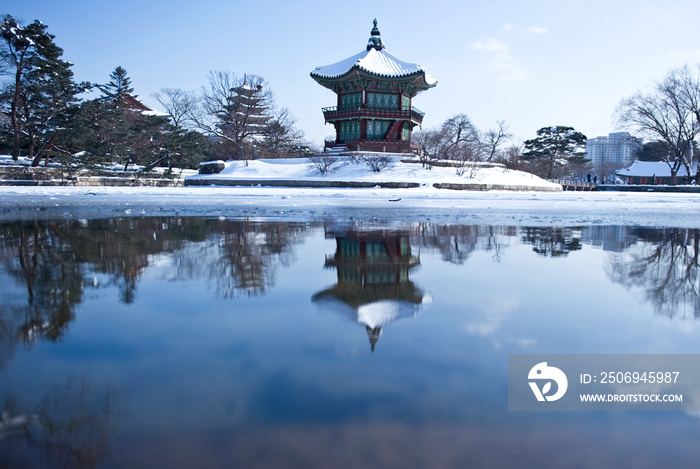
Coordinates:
[29,176]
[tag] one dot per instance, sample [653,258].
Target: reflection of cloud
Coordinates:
[493,317]
[526,343]
[372,442]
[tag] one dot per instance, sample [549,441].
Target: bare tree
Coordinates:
[461,140]
[323,162]
[430,142]
[493,139]
[233,109]
[511,156]
[177,103]
[281,137]
[671,113]
[377,163]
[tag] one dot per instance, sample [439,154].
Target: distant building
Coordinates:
[608,154]
[130,103]
[655,172]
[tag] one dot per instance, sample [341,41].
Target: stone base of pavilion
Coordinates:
[359,154]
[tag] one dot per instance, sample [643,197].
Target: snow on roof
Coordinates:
[155,113]
[653,168]
[378,62]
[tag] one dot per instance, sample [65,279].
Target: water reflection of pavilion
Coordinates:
[373,286]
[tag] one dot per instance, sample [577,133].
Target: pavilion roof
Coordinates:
[375,60]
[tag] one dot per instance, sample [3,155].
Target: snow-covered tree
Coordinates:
[555,150]
[42,86]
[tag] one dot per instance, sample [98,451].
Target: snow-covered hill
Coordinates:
[299,169]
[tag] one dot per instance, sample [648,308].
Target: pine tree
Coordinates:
[111,129]
[555,150]
[43,86]
[119,87]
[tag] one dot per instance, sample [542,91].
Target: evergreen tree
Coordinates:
[555,151]
[119,88]
[113,128]
[42,88]
[653,151]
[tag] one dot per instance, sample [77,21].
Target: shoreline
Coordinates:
[417,205]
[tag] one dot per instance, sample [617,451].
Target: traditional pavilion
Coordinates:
[375,92]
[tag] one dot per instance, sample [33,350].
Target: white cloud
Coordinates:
[510,72]
[490,44]
[536,30]
[502,62]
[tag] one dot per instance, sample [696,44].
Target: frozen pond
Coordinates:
[218,342]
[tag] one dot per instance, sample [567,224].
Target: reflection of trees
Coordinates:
[457,242]
[552,242]
[38,257]
[120,248]
[249,255]
[665,267]
[56,261]
[72,427]
[239,257]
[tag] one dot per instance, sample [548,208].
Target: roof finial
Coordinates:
[375,40]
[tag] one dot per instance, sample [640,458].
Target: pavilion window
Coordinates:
[382,101]
[351,101]
[349,130]
[376,129]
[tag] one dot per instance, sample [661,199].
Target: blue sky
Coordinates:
[532,64]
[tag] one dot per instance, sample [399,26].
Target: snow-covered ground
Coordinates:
[420,204]
[423,204]
[345,170]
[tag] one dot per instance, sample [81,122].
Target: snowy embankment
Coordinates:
[298,171]
[423,204]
